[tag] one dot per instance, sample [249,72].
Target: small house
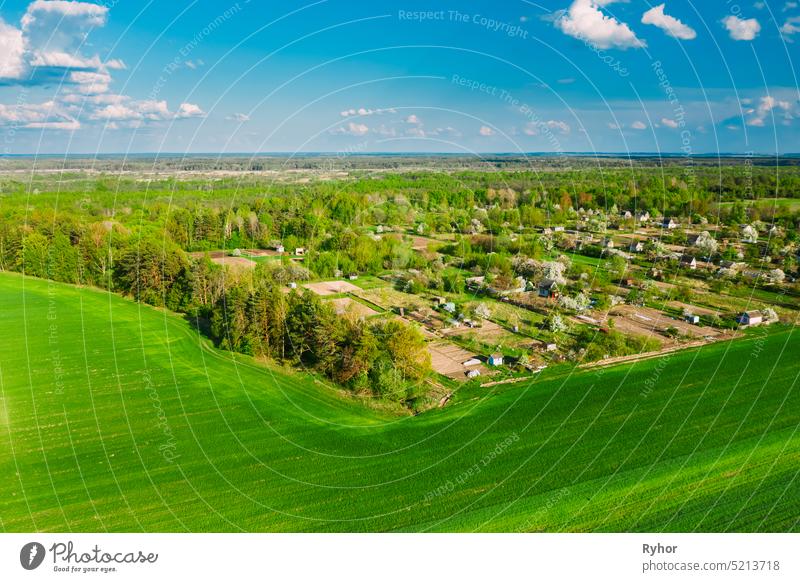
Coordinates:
[280,249]
[449,307]
[292,285]
[473,373]
[558,229]
[668,223]
[471,362]
[688,262]
[636,247]
[548,288]
[300,251]
[496,359]
[748,318]
[691,318]
[550,348]
[352,276]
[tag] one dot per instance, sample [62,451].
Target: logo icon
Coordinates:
[31,555]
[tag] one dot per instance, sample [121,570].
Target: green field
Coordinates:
[120,417]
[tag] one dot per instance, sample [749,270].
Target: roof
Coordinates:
[753,313]
[496,356]
[547,284]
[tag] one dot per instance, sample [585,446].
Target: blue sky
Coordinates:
[357,77]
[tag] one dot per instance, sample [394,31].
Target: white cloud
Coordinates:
[187,110]
[92,14]
[413,119]
[416,131]
[364,111]
[446,131]
[741,29]
[765,107]
[47,46]
[47,115]
[789,6]
[585,21]
[71,125]
[238,117]
[12,48]
[90,83]
[486,131]
[638,125]
[790,27]
[535,127]
[671,123]
[352,128]
[668,24]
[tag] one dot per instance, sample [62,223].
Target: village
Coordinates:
[603,289]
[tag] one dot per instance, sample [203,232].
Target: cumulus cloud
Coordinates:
[789,28]
[364,111]
[766,106]
[671,123]
[48,47]
[585,21]
[187,110]
[638,125]
[413,119]
[667,23]
[47,115]
[352,128]
[486,131]
[740,28]
[12,49]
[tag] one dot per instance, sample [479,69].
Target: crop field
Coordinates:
[116,416]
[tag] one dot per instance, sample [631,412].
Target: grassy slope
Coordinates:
[713,447]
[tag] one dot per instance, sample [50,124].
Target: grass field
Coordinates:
[119,417]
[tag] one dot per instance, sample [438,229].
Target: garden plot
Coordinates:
[344,305]
[234,262]
[653,323]
[331,287]
[448,359]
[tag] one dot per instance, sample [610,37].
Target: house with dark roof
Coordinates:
[748,318]
[548,288]
[688,262]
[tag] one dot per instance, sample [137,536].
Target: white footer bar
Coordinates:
[400,557]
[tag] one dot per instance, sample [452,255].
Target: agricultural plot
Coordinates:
[448,359]
[651,322]
[119,417]
[343,305]
[234,262]
[331,287]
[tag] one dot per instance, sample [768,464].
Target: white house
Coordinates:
[496,359]
[748,318]
[688,262]
[668,223]
[300,251]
